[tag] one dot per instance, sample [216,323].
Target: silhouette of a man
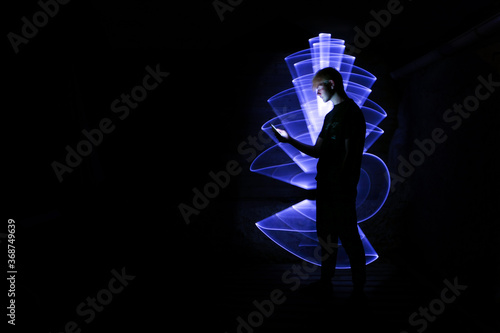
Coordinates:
[339,149]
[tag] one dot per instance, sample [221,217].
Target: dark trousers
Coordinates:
[336,218]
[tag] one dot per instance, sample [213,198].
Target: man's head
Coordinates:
[327,82]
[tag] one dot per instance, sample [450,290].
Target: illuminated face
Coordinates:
[325,90]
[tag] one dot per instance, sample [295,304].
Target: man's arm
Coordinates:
[348,151]
[312,151]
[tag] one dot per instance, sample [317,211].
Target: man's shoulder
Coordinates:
[352,105]
[329,115]
[355,110]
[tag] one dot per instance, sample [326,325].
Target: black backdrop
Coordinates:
[119,208]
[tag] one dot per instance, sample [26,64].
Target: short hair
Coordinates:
[330,73]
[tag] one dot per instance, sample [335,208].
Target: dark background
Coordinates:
[119,207]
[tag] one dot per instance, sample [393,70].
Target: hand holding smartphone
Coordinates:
[275,129]
[281,135]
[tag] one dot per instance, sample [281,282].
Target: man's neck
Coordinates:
[337,99]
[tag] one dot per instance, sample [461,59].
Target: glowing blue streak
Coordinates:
[294,229]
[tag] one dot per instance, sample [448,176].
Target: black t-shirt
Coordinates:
[345,121]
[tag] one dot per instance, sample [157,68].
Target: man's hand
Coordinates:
[281,135]
[312,151]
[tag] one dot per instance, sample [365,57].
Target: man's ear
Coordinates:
[332,84]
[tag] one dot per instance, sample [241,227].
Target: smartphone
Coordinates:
[275,129]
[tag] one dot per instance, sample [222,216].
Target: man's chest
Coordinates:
[335,129]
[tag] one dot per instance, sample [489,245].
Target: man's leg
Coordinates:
[351,241]
[327,235]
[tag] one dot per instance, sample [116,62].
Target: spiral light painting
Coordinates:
[301,112]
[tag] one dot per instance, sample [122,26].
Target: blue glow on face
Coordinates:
[301,112]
